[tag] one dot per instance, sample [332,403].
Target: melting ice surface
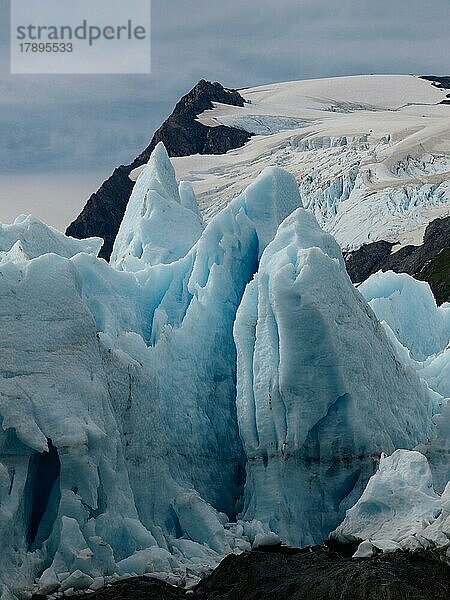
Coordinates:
[212,389]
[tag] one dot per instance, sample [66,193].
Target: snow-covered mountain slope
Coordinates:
[371,154]
[184,403]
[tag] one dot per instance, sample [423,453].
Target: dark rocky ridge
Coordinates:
[182,135]
[442,83]
[429,262]
[310,574]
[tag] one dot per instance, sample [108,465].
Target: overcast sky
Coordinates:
[81,127]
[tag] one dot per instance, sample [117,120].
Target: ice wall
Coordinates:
[122,448]
[120,451]
[320,392]
[159,225]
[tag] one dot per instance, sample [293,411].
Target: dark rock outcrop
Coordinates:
[429,262]
[368,259]
[442,83]
[308,574]
[182,135]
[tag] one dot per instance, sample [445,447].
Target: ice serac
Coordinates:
[66,502]
[320,390]
[159,226]
[410,310]
[119,448]
[400,506]
[28,238]
[183,316]
[420,332]
[187,196]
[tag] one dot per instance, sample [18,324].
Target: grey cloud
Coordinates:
[73,122]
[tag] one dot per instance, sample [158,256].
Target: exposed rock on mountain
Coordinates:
[429,262]
[441,82]
[182,135]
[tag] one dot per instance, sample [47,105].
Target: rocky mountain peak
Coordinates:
[182,135]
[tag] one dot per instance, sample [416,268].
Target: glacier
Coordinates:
[315,409]
[408,307]
[405,505]
[399,509]
[29,238]
[370,153]
[161,222]
[215,388]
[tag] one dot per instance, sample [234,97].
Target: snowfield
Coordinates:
[221,384]
[370,153]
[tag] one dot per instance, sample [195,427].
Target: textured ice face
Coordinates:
[409,308]
[66,499]
[399,505]
[420,332]
[121,388]
[159,225]
[122,448]
[397,499]
[29,238]
[320,390]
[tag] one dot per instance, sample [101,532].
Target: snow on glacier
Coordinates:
[315,408]
[370,153]
[123,450]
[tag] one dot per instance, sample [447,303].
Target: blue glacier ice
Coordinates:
[410,310]
[29,238]
[321,392]
[121,385]
[215,388]
[420,331]
[160,225]
[407,501]
[399,509]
